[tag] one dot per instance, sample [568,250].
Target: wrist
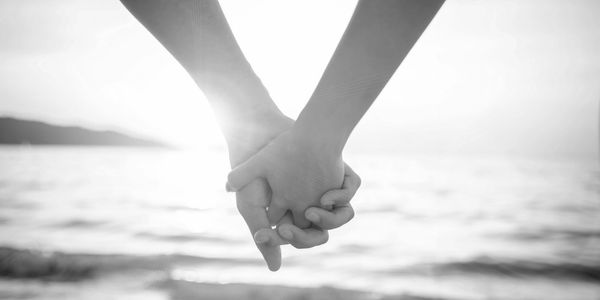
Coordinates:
[319,137]
[237,123]
[246,136]
[328,122]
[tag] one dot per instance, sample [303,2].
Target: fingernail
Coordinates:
[286,233]
[273,268]
[313,217]
[261,238]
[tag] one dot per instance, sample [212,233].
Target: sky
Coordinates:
[488,77]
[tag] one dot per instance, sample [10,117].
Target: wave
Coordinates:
[185,238]
[546,234]
[59,266]
[506,268]
[16,204]
[184,290]
[65,267]
[80,223]
[29,264]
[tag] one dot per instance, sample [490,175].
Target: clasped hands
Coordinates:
[289,175]
[290,188]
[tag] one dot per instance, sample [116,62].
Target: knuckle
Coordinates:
[346,197]
[351,214]
[325,238]
[230,178]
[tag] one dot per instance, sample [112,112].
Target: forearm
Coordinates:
[377,39]
[197,34]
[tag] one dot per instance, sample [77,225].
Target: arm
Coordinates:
[302,164]
[377,39]
[196,33]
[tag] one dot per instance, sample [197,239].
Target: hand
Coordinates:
[253,199]
[341,214]
[298,171]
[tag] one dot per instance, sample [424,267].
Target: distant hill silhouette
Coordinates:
[15,131]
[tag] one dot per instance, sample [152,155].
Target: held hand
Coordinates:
[339,200]
[298,172]
[254,198]
[341,214]
[252,201]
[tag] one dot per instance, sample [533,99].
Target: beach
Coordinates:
[133,223]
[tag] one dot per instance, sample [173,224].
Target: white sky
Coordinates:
[503,76]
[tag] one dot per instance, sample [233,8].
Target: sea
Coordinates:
[139,223]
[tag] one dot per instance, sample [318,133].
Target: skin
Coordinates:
[196,33]
[298,173]
[379,36]
[304,162]
[253,200]
[341,213]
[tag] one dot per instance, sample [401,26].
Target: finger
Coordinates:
[286,219]
[269,237]
[299,219]
[255,216]
[303,238]
[349,187]
[275,212]
[335,197]
[335,218]
[351,180]
[244,173]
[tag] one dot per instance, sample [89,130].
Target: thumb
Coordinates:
[245,173]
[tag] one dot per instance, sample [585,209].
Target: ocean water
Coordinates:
[115,223]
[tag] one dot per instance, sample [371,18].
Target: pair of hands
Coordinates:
[284,179]
[285,171]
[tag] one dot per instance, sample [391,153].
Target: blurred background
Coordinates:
[479,159]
